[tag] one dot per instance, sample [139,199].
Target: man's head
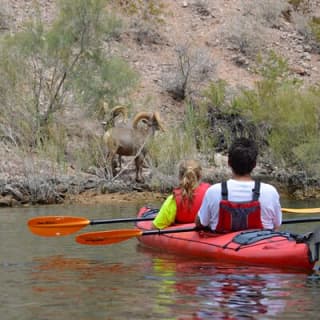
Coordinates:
[242,156]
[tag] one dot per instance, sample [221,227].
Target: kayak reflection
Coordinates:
[218,291]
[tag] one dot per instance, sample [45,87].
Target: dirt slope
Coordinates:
[200,27]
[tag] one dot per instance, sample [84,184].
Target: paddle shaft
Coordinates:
[291,221]
[114,236]
[123,220]
[301,210]
[120,220]
[157,231]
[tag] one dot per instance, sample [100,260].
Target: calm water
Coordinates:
[56,278]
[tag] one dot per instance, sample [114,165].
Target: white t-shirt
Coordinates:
[241,191]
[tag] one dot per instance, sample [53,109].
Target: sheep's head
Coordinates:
[157,122]
[114,113]
[119,110]
[152,120]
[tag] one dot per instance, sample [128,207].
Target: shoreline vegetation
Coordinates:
[35,189]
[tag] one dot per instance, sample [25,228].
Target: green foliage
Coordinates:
[197,128]
[216,93]
[167,149]
[187,140]
[315,28]
[295,122]
[104,81]
[90,153]
[308,154]
[44,69]
[292,113]
[149,10]
[259,103]
[54,143]
[272,67]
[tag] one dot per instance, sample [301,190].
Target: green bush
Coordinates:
[291,111]
[315,28]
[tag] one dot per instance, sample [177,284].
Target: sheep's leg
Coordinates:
[114,166]
[111,163]
[139,163]
[119,158]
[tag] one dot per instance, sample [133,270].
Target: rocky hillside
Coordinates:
[209,31]
[203,26]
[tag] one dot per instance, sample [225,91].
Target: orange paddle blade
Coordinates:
[107,237]
[54,226]
[301,210]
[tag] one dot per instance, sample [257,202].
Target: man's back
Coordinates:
[241,191]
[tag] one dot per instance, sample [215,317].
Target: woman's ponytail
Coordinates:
[189,176]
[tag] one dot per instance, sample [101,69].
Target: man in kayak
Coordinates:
[184,203]
[240,203]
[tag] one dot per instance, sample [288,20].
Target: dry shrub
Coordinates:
[244,34]
[266,12]
[192,67]
[302,25]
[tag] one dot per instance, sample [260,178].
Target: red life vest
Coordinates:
[235,216]
[187,210]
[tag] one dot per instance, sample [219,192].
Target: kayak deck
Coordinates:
[254,247]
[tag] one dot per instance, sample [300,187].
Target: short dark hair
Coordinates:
[242,157]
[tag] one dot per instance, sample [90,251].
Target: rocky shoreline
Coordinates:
[90,188]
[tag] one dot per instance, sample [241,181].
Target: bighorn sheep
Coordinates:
[132,141]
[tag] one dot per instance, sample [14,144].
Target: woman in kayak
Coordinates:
[241,202]
[183,204]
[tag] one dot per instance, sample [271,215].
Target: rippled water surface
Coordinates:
[56,278]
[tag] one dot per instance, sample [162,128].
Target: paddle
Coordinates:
[53,226]
[302,210]
[114,236]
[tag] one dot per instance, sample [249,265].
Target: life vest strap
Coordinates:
[256,191]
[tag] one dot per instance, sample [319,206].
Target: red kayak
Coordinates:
[251,247]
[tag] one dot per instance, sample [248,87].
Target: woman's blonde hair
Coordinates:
[189,176]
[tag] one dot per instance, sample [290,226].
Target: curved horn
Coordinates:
[139,116]
[114,113]
[156,116]
[117,110]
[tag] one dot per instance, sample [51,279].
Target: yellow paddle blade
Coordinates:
[55,226]
[301,210]
[107,237]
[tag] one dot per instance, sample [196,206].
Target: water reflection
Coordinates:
[55,278]
[202,290]
[167,288]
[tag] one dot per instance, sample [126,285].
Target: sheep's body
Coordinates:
[126,141]
[120,139]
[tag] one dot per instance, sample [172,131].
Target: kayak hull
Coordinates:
[252,247]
